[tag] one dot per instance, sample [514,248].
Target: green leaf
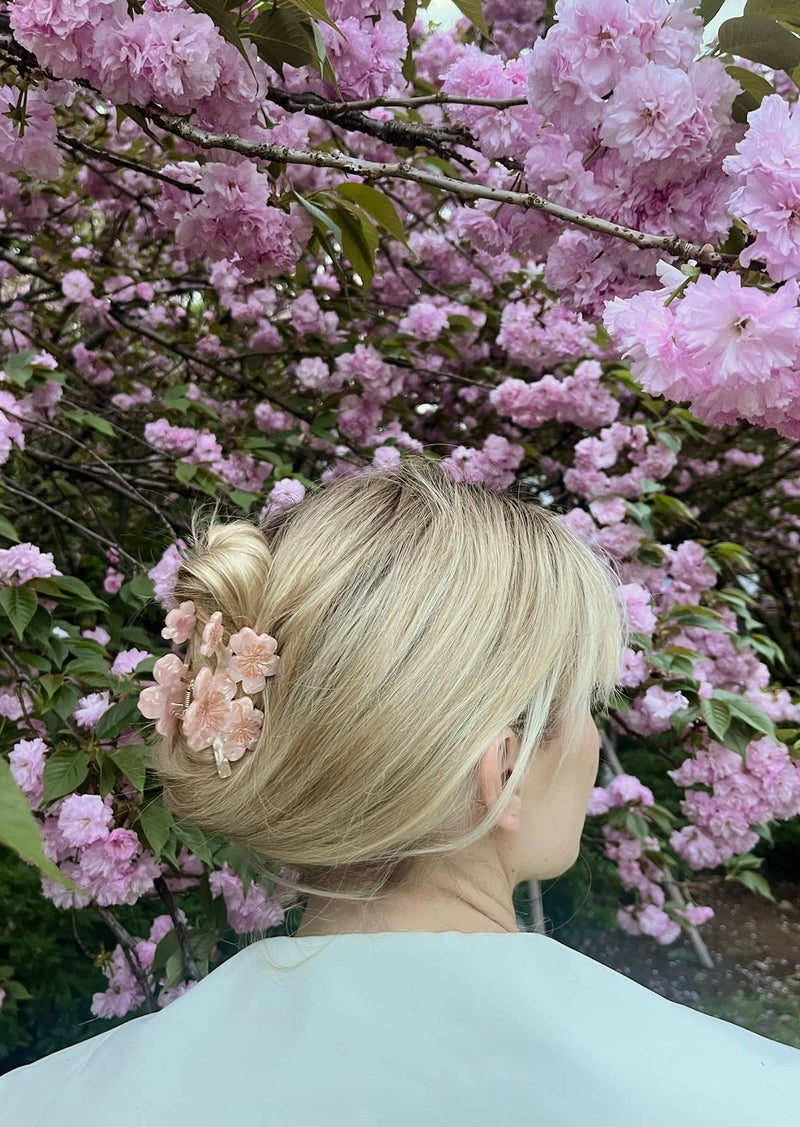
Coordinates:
[195,840]
[19,604]
[86,663]
[175,970]
[141,587]
[355,245]
[748,712]
[761,40]
[320,217]
[717,715]
[671,441]
[743,861]
[754,90]
[409,12]
[376,204]
[473,10]
[709,8]
[135,114]
[64,771]
[206,481]
[673,507]
[107,776]
[7,530]
[283,35]
[641,514]
[753,84]
[122,715]
[731,553]
[678,720]
[166,947]
[785,10]
[37,661]
[18,366]
[86,418]
[764,831]
[321,426]
[696,615]
[768,649]
[157,823]
[185,471]
[662,818]
[315,9]
[133,760]
[738,737]
[68,589]
[19,830]
[242,499]
[756,883]
[636,824]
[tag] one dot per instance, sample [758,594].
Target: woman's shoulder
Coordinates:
[503,1019]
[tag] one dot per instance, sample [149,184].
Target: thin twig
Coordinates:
[128,944]
[60,516]
[180,928]
[125,162]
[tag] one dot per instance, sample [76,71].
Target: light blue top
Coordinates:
[412,1028]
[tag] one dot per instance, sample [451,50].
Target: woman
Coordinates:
[387,691]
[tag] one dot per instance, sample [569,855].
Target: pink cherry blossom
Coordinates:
[90,708]
[26,760]
[32,149]
[84,819]
[76,285]
[24,562]
[126,661]
[247,911]
[766,172]
[164,573]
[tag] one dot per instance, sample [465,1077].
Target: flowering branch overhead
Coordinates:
[682,249]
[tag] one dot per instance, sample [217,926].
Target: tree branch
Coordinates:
[180,928]
[704,255]
[128,944]
[68,520]
[427,100]
[406,134]
[124,162]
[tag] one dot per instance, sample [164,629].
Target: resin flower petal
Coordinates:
[212,634]
[210,707]
[255,659]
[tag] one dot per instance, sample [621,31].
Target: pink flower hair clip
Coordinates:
[205,705]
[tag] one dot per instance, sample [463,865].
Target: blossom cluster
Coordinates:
[742,793]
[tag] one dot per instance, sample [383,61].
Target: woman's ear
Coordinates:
[495,770]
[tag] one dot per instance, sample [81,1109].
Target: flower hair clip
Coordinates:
[213,709]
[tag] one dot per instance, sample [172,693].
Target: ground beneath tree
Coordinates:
[754,943]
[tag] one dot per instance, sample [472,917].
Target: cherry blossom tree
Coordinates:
[248,248]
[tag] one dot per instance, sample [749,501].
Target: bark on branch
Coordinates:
[672,245]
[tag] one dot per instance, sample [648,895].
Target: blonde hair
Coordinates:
[415,617]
